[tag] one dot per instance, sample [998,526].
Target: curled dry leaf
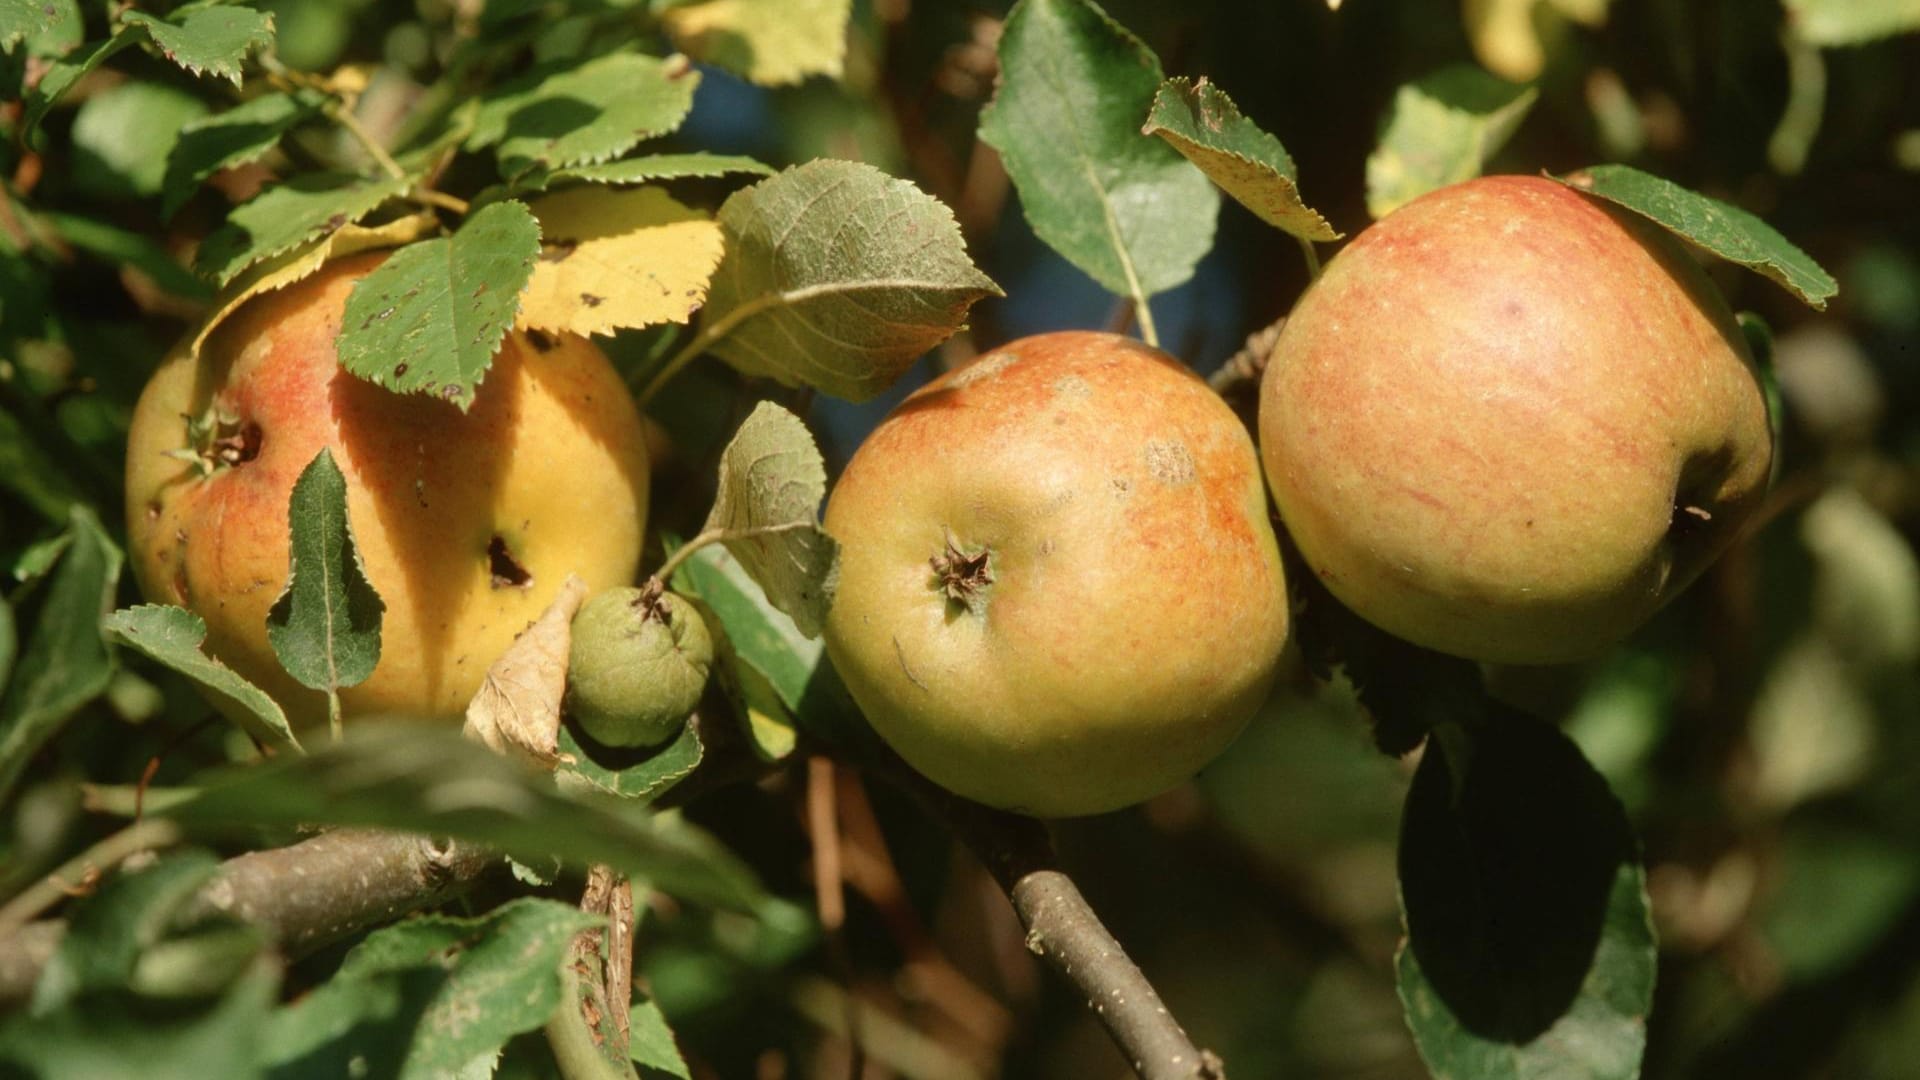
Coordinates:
[517,710]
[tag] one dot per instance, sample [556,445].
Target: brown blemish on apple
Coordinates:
[985,367]
[1072,386]
[1169,462]
[540,340]
[505,572]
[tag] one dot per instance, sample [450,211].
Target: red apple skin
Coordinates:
[1137,606]
[1509,422]
[550,459]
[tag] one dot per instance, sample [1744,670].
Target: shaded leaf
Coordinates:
[107,931]
[517,708]
[1727,231]
[122,136]
[1441,129]
[1529,946]
[65,662]
[428,320]
[173,636]
[283,270]
[633,773]
[1851,22]
[837,276]
[129,249]
[1407,690]
[1201,122]
[618,259]
[9,642]
[641,170]
[772,483]
[208,40]
[287,215]
[425,779]
[430,996]
[650,1041]
[1074,88]
[770,42]
[325,628]
[23,19]
[28,472]
[586,113]
[63,74]
[241,134]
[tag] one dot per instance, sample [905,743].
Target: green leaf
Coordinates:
[1441,129]
[1727,231]
[1406,689]
[113,1036]
[1851,22]
[287,215]
[122,136]
[1074,88]
[772,483]
[1529,948]
[837,276]
[130,249]
[325,628]
[173,636]
[23,19]
[29,473]
[584,114]
[208,40]
[1201,122]
[108,931]
[65,663]
[241,134]
[425,779]
[62,74]
[427,321]
[641,773]
[643,170]
[650,1041]
[9,642]
[770,42]
[432,995]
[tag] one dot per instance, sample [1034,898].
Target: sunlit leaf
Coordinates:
[287,215]
[173,636]
[208,40]
[1852,22]
[772,482]
[325,628]
[1442,129]
[1201,122]
[617,259]
[241,134]
[771,42]
[587,113]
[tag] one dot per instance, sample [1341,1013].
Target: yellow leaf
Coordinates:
[771,42]
[615,258]
[284,270]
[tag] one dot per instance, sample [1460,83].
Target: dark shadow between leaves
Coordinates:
[1506,872]
[546,121]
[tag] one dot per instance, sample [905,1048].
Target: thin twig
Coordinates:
[430,197]
[88,865]
[343,113]
[823,828]
[715,536]
[1246,366]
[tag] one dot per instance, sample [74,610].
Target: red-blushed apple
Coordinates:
[467,523]
[1510,421]
[1059,591]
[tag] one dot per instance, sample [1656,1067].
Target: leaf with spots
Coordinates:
[584,113]
[325,628]
[642,170]
[428,320]
[766,512]
[1725,230]
[1201,122]
[173,636]
[287,215]
[1074,88]
[285,269]
[1441,129]
[208,39]
[837,276]
[617,259]
[770,42]
[433,995]
[24,19]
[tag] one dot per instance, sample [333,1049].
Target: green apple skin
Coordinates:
[1509,422]
[637,665]
[548,467]
[1129,611]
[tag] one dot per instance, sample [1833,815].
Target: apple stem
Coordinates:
[1312,256]
[710,536]
[334,724]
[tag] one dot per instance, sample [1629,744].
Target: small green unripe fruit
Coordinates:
[638,665]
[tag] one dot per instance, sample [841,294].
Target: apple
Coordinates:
[637,665]
[1510,421]
[467,523]
[1059,589]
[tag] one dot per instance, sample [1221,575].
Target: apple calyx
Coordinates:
[217,439]
[963,576]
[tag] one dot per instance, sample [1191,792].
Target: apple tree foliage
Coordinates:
[772,211]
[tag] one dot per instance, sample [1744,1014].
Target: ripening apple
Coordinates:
[467,523]
[1059,591]
[1510,421]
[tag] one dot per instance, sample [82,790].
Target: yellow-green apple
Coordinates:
[1059,591]
[467,523]
[1510,421]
